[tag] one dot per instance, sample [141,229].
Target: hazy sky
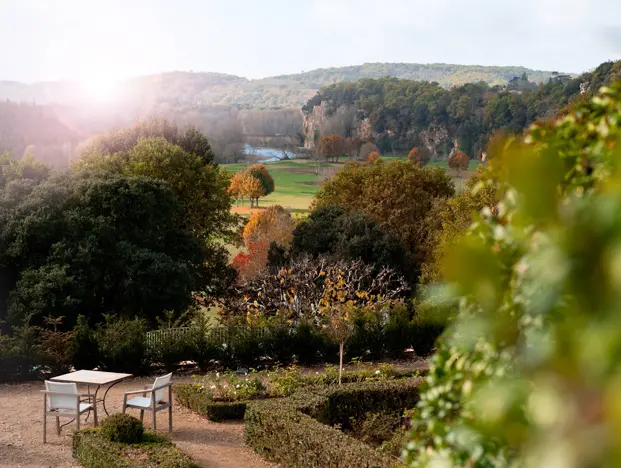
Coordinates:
[114,39]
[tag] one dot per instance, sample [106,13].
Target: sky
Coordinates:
[111,40]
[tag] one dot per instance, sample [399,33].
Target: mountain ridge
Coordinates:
[287,90]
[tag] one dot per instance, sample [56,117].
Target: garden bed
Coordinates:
[304,430]
[92,450]
[224,396]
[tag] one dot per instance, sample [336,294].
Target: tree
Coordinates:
[419,156]
[260,172]
[191,140]
[296,290]
[265,229]
[339,234]
[201,188]
[332,147]
[366,149]
[373,157]
[101,244]
[252,188]
[459,161]
[456,216]
[399,196]
[274,224]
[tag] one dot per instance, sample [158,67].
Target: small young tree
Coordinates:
[340,325]
[419,156]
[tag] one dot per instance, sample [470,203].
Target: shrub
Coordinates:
[56,352]
[122,345]
[122,428]
[399,332]
[376,428]
[19,355]
[311,346]
[366,339]
[278,343]
[84,346]
[194,398]
[288,431]
[93,450]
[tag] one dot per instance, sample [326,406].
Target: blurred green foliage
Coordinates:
[528,373]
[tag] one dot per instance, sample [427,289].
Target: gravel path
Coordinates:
[21,445]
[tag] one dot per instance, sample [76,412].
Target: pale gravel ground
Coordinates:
[21,445]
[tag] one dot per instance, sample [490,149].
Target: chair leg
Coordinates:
[57,425]
[141,415]
[154,421]
[44,416]
[170,402]
[77,420]
[95,414]
[170,419]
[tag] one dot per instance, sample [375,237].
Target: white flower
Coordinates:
[377,372]
[217,374]
[213,386]
[237,386]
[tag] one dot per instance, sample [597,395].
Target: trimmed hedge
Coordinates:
[191,396]
[188,396]
[291,431]
[93,450]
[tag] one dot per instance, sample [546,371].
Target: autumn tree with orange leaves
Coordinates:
[419,156]
[459,161]
[331,147]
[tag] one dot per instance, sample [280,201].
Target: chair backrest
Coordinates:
[61,401]
[163,380]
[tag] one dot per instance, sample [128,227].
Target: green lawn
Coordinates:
[296,181]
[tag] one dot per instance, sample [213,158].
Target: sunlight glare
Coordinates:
[99,88]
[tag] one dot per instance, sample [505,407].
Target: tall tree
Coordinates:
[397,195]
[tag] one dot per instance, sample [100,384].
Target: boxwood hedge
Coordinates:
[300,431]
[191,397]
[93,450]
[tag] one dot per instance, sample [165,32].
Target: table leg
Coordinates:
[105,394]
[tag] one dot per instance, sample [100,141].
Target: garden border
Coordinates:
[297,431]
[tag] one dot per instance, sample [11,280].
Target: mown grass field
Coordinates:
[297,181]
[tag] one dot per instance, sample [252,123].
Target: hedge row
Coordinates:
[191,397]
[92,450]
[298,432]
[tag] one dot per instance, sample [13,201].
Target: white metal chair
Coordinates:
[155,402]
[63,400]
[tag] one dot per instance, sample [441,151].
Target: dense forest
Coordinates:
[404,113]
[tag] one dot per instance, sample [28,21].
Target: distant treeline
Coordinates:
[404,114]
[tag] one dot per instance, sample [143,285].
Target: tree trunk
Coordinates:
[341,346]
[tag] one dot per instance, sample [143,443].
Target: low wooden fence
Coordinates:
[222,335]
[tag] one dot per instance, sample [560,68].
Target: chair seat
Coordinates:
[139,402]
[70,411]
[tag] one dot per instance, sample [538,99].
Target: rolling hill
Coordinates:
[197,90]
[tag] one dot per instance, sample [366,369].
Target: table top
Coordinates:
[91,377]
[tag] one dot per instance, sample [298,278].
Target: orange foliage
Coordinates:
[373,156]
[419,156]
[459,161]
[332,147]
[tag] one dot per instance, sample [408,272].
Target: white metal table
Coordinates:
[94,378]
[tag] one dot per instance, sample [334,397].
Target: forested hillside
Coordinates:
[400,114]
[182,89]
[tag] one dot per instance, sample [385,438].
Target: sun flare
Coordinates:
[99,88]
